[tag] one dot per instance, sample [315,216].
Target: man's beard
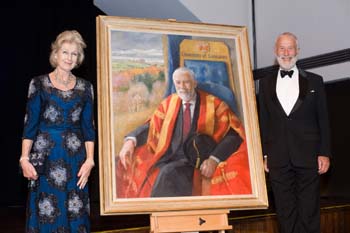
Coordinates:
[185,95]
[284,65]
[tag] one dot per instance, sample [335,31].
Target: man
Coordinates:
[155,159]
[295,138]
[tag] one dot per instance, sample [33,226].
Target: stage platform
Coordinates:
[335,218]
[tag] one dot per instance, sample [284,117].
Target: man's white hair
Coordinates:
[184,70]
[288,34]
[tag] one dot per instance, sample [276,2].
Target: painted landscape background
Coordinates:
[138,79]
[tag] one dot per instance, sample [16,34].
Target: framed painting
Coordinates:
[136,60]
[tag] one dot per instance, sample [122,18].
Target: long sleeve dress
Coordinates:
[59,123]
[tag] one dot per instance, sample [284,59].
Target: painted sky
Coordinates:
[137,46]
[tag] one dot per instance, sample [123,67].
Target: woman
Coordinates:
[58,142]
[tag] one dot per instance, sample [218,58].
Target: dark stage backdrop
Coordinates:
[336,183]
[27,30]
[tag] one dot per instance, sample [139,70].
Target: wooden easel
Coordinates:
[196,220]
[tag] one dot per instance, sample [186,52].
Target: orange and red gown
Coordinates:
[215,119]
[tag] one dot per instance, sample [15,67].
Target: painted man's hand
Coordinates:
[208,167]
[127,152]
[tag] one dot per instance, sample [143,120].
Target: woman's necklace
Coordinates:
[63,82]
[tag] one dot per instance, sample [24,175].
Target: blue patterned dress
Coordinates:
[59,123]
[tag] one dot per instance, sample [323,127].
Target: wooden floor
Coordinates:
[335,218]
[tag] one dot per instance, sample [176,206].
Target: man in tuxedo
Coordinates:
[295,138]
[155,161]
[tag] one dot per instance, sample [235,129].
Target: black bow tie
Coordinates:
[289,73]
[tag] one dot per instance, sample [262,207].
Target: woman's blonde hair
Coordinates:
[69,36]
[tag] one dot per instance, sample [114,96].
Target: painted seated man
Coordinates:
[164,157]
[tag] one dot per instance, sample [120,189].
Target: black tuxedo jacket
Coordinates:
[302,135]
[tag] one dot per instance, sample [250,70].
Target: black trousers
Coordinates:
[297,198]
[175,179]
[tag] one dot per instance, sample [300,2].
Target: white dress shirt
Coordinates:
[287,90]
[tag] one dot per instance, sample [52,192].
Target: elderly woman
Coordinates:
[58,142]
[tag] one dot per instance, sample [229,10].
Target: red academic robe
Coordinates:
[215,119]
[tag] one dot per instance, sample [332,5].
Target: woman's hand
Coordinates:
[28,169]
[84,172]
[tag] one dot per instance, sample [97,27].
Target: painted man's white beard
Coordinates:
[186,96]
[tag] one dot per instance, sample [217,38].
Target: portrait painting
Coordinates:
[137,95]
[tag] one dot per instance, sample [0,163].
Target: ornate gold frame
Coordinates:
[246,101]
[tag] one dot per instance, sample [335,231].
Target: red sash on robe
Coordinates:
[215,119]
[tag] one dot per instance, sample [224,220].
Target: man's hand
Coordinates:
[323,164]
[266,168]
[208,167]
[127,152]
